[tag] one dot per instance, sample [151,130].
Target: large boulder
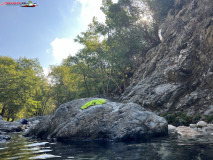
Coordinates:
[177,75]
[109,121]
[10,126]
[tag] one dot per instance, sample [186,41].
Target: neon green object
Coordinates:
[93,103]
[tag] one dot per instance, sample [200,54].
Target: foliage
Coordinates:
[177,118]
[93,103]
[23,88]
[209,118]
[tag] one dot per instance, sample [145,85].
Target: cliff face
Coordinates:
[177,75]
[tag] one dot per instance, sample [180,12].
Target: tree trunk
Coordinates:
[3,111]
[125,80]
[85,82]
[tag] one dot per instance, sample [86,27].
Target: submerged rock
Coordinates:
[109,121]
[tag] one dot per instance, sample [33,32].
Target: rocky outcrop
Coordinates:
[109,121]
[10,126]
[177,75]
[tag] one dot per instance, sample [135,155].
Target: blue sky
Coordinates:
[47,31]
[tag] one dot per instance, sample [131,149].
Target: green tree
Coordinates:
[22,88]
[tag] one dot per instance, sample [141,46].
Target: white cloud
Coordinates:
[89,9]
[63,47]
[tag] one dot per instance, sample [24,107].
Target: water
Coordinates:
[166,149]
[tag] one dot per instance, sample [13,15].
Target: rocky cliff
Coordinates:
[177,75]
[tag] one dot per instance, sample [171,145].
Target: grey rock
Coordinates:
[37,118]
[4,138]
[110,121]
[1,118]
[171,127]
[172,131]
[187,132]
[10,126]
[193,125]
[209,111]
[177,74]
[201,124]
[210,126]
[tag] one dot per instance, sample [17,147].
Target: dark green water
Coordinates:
[166,149]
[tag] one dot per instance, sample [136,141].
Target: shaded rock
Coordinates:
[201,124]
[1,118]
[4,138]
[184,131]
[23,121]
[209,111]
[31,122]
[109,121]
[10,126]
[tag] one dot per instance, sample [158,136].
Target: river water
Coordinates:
[23,148]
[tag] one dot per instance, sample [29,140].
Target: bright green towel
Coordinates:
[93,103]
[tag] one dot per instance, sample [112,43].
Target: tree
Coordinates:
[22,88]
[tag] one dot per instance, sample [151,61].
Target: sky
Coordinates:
[46,31]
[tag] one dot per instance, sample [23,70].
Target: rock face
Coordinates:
[10,126]
[110,121]
[177,75]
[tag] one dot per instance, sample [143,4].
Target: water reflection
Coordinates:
[167,149]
